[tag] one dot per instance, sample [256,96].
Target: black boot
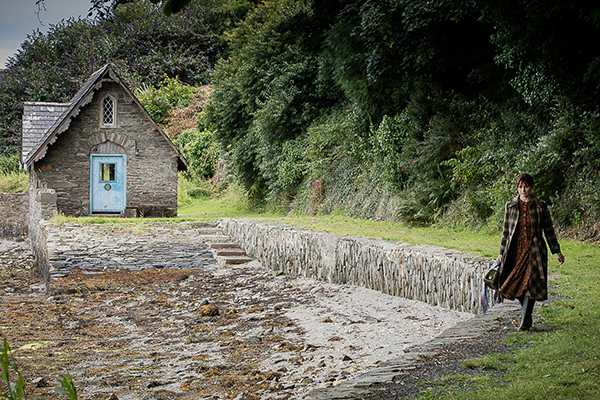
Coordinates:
[527,320]
[520,298]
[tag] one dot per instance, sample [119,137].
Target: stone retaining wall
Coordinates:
[42,206]
[438,276]
[14,208]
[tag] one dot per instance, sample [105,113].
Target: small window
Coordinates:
[107,172]
[108,111]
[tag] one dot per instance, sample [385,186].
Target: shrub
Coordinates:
[11,179]
[170,94]
[200,150]
[291,167]
[9,163]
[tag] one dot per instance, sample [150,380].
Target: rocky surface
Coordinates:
[222,332]
[114,247]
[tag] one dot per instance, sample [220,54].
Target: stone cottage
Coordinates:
[101,153]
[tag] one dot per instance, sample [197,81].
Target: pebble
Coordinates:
[204,302]
[325,320]
[39,383]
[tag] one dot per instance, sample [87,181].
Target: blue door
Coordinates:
[107,183]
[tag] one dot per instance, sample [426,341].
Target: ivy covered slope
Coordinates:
[418,111]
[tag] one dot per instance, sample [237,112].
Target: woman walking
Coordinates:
[523,252]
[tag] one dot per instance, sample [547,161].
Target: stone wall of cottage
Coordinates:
[14,209]
[438,276]
[151,161]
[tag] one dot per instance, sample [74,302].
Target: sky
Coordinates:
[18,19]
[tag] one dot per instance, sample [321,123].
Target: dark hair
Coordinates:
[526,179]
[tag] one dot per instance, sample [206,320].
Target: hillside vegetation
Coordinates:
[413,111]
[422,112]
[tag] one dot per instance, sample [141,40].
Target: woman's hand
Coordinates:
[561,258]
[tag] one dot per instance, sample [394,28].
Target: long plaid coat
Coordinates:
[538,253]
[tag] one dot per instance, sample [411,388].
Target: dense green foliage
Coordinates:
[420,111]
[393,109]
[201,151]
[158,101]
[142,43]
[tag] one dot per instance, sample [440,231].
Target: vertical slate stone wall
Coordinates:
[438,276]
[14,208]
[42,206]
[151,162]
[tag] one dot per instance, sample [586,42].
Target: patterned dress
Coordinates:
[517,282]
[538,225]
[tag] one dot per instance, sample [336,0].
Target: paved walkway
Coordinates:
[133,247]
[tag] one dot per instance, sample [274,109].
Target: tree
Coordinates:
[143,43]
[269,90]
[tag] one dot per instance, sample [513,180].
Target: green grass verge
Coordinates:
[560,363]
[230,203]
[108,220]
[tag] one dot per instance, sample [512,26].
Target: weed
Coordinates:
[16,390]
[66,387]
[14,182]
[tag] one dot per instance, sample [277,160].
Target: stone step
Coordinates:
[235,260]
[224,245]
[208,231]
[214,238]
[230,252]
[205,224]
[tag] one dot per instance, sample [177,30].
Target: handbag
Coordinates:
[492,276]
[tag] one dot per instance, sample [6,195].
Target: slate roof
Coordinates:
[37,117]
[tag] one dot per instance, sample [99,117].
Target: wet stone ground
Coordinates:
[147,329]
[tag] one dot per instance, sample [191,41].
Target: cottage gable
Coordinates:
[102,152]
[72,109]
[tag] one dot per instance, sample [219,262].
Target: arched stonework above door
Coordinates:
[108,147]
[112,143]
